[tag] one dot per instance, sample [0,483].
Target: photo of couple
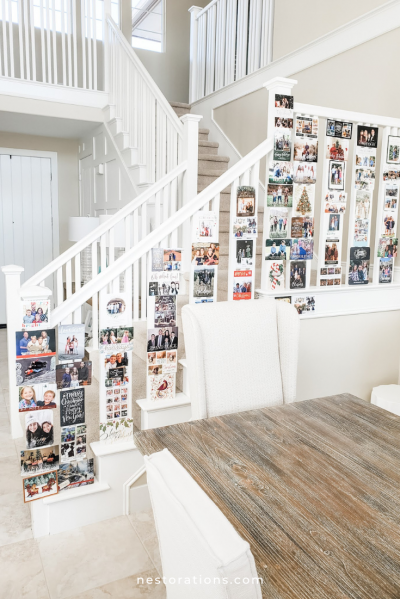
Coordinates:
[162,338]
[334,220]
[73,374]
[363,203]
[204,253]
[244,252]
[31,343]
[35,314]
[172,260]
[246,201]
[336,175]
[331,253]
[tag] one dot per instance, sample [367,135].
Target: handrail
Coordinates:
[73,251]
[146,76]
[206,8]
[161,232]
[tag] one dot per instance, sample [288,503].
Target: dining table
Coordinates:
[313,486]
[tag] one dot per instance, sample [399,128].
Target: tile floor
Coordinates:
[98,561]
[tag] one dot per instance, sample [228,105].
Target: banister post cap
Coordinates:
[280,82]
[12,269]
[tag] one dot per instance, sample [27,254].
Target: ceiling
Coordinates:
[46,126]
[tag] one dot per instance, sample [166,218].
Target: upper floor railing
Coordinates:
[229,39]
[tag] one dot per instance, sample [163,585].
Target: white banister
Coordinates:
[229,39]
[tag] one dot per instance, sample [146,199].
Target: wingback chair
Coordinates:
[240,355]
[202,555]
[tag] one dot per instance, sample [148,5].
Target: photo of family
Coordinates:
[306,150]
[389,223]
[393,149]
[298,275]
[387,248]
[162,338]
[385,270]
[276,276]
[75,474]
[278,222]
[391,174]
[120,338]
[338,129]
[331,252]
[277,249]
[163,283]
[71,342]
[336,175]
[245,227]
[305,172]
[115,309]
[361,231]
[74,374]
[279,195]
[34,343]
[38,397]
[391,196]
[35,314]
[303,199]
[283,123]
[337,149]
[363,203]
[242,284]
[282,144]
[165,310]
[283,104]
[281,173]
[39,429]
[40,460]
[172,259]
[306,126]
[244,252]
[358,270]
[203,282]
[304,305]
[39,486]
[335,202]
[365,175]
[365,158]
[302,249]
[36,370]
[205,253]
[302,227]
[367,136]
[245,201]
[205,225]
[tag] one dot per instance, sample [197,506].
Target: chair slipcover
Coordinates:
[202,555]
[240,355]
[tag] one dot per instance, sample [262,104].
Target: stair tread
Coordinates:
[208,144]
[204,131]
[210,172]
[214,158]
[179,105]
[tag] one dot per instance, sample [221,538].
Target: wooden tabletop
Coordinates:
[314,487]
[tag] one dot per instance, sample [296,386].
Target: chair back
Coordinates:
[240,355]
[198,545]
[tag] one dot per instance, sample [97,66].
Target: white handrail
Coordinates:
[166,228]
[79,246]
[145,75]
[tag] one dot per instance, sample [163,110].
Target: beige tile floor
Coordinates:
[98,561]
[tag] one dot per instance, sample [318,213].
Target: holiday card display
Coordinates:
[303,199]
[276,279]
[40,486]
[337,149]
[304,304]
[338,129]
[302,249]
[245,227]
[75,474]
[279,196]
[71,342]
[37,397]
[306,126]
[387,247]
[39,429]
[73,442]
[277,249]
[205,253]
[298,275]
[35,343]
[35,314]
[72,406]
[245,201]
[205,226]
[74,374]
[242,284]
[385,270]
[305,172]
[359,265]
[281,173]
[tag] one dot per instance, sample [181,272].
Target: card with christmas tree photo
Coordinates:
[303,200]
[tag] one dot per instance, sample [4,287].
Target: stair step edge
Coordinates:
[208,144]
[213,158]
[180,105]
[204,131]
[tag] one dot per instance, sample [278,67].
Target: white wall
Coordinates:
[298,22]
[169,69]
[67,161]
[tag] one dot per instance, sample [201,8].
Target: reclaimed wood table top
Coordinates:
[314,487]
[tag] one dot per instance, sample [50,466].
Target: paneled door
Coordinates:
[27,233]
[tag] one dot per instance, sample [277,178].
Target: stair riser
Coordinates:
[109,112]
[122,140]
[208,150]
[130,156]
[214,165]
[203,136]
[115,126]
[138,173]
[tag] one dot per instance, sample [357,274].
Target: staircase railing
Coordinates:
[154,130]
[229,39]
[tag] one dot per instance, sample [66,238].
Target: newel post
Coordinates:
[12,275]
[191,154]
[194,11]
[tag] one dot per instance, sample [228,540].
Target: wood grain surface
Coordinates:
[314,487]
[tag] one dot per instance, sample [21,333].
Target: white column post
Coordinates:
[106,60]
[191,154]
[277,85]
[194,11]
[12,275]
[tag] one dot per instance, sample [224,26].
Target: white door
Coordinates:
[26,219]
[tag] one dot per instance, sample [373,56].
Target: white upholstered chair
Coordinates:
[240,355]
[198,545]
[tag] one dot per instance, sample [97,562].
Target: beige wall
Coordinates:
[67,162]
[298,22]
[169,69]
